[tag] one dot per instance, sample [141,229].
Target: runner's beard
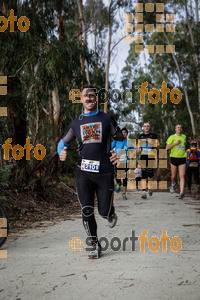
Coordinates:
[93,107]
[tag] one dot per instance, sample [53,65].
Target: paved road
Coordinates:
[40,264]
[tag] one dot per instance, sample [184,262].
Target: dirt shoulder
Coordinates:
[27,209]
[41,265]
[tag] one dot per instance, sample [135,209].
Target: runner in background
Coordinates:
[118,145]
[193,163]
[176,144]
[138,176]
[147,143]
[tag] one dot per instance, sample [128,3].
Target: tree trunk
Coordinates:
[108,58]
[83,29]
[186,95]
[80,40]
[16,112]
[56,106]
[184,88]
[38,170]
[95,49]
[195,55]
[60,20]
[197,11]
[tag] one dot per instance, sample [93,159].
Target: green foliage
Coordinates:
[36,62]
[4,175]
[161,67]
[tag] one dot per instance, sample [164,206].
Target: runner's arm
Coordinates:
[116,131]
[61,146]
[113,145]
[170,143]
[187,154]
[168,147]
[157,144]
[66,139]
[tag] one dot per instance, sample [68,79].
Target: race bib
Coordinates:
[90,165]
[179,147]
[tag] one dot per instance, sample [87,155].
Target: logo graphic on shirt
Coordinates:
[91,133]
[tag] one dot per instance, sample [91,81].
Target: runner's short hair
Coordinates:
[125,129]
[193,142]
[146,123]
[178,125]
[89,86]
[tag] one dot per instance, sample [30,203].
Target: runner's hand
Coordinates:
[63,154]
[177,142]
[114,157]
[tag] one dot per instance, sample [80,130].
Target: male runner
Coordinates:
[176,144]
[118,145]
[193,165]
[146,143]
[93,130]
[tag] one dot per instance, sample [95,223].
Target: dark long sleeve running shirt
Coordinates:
[93,135]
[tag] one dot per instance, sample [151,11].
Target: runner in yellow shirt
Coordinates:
[176,144]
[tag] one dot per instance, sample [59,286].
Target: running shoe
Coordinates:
[95,252]
[150,192]
[118,188]
[144,195]
[181,196]
[112,221]
[172,188]
[124,197]
[138,190]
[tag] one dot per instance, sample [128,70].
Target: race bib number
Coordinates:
[179,147]
[90,165]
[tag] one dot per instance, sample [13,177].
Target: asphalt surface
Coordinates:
[41,265]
